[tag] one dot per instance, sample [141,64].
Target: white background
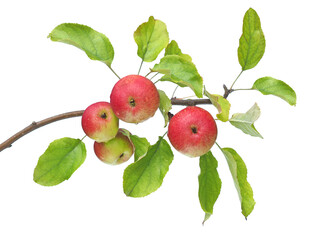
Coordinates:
[40,78]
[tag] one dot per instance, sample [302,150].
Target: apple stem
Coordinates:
[148,74]
[164,134]
[153,77]
[83,138]
[218,146]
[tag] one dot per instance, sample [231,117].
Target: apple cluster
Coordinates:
[134,99]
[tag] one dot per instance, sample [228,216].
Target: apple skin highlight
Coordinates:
[134,99]
[192,131]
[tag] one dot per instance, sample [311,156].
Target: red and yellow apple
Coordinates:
[134,99]
[99,122]
[192,131]
[115,151]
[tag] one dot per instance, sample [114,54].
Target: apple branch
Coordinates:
[35,125]
[189,102]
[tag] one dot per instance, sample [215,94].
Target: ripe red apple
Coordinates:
[115,151]
[99,122]
[134,99]
[192,131]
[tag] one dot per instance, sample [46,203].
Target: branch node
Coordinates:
[226,91]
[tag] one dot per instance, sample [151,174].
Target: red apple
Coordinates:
[115,151]
[99,122]
[134,99]
[192,131]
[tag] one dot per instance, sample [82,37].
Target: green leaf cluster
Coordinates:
[152,37]
[173,49]
[210,182]
[250,51]
[178,70]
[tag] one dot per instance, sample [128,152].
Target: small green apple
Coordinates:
[115,151]
[99,122]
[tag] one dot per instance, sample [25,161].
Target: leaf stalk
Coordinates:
[113,71]
[230,90]
[140,67]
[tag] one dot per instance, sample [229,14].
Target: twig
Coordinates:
[189,102]
[34,125]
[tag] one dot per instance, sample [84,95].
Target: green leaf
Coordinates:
[61,159]
[245,121]
[96,45]
[252,43]
[238,171]
[165,106]
[173,49]
[180,71]
[269,85]
[146,175]
[151,37]
[209,183]
[221,104]
[206,217]
[141,146]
